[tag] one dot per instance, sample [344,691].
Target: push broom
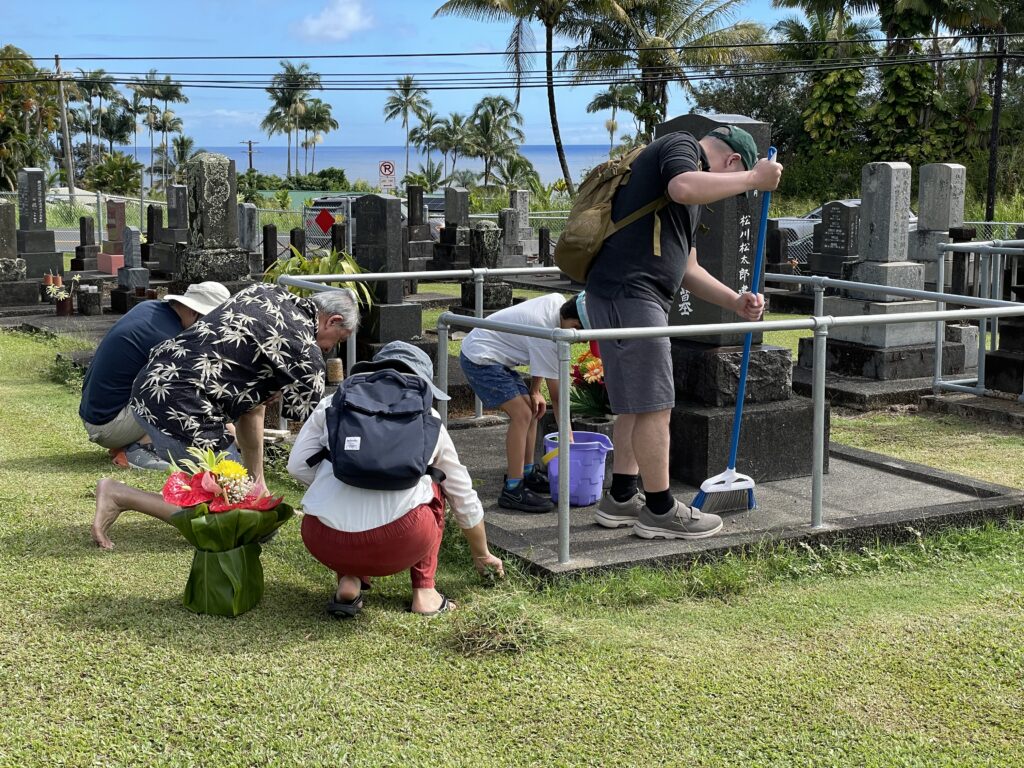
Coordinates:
[728,489]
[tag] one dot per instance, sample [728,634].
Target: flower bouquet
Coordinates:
[588,396]
[225,516]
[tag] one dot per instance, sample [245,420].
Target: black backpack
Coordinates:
[381,432]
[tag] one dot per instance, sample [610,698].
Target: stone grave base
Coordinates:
[17,293]
[796,302]
[387,322]
[883,363]
[710,375]
[110,263]
[1004,371]
[1003,412]
[85,264]
[39,264]
[774,441]
[863,394]
[224,265]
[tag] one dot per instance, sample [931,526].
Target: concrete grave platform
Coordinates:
[1005,412]
[866,496]
[864,394]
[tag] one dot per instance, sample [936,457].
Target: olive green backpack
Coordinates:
[590,220]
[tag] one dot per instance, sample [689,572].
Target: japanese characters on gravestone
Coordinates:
[705,370]
[378,248]
[839,239]
[35,243]
[132,275]
[519,199]
[511,249]
[213,252]
[456,212]
[15,289]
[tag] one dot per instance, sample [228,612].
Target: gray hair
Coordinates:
[339,301]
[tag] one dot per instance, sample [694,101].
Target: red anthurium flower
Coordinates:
[252,501]
[185,491]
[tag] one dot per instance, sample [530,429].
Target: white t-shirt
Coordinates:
[486,347]
[347,508]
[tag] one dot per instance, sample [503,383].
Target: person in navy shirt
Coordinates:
[104,410]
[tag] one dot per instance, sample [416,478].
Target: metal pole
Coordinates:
[983,286]
[478,308]
[818,433]
[350,351]
[993,139]
[442,367]
[99,218]
[940,326]
[142,215]
[563,452]
[69,163]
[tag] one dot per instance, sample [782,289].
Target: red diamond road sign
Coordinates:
[324,220]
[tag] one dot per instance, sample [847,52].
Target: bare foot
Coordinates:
[107,512]
[349,588]
[428,601]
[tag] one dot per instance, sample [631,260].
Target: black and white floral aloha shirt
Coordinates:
[260,341]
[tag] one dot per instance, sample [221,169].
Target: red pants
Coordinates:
[410,542]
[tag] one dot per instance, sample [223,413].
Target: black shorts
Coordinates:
[637,372]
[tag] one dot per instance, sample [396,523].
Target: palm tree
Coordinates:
[658,39]
[276,122]
[496,132]
[426,133]
[118,123]
[560,16]
[146,88]
[453,137]
[319,120]
[515,172]
[288,92]
[407,98]
[95,84]
[168,123]
[182,149]
[428,177]
[464,178]
[169,92]
[617,96]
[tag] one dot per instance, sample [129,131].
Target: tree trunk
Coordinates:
[313,167]
[149,123]
[549,71]
[288,172]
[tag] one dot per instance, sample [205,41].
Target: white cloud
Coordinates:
[336,21]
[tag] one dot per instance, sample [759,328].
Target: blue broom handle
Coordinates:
[741,389]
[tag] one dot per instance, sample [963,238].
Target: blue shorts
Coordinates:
[171,449]
[494,384]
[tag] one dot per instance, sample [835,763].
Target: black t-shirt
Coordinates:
[627,265]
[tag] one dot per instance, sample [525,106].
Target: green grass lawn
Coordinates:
[905,655]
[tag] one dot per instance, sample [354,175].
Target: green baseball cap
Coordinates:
[739,141]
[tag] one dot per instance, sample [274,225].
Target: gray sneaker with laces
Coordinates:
[144,457]
[618,514]
[683,522]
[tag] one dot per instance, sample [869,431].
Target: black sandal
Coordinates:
[344,609]
[445,606]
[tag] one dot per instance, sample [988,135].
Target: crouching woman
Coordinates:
[361,532]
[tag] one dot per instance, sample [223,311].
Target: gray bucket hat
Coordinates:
[405,357]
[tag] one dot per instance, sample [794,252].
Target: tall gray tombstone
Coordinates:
[31,199]
[8,241]
[248,227]
[519,199]
[414,204]
[132,275]
[511,248]
[114,241]
[378,248]
[88,250]
[15,290]
[212,201]
[213,251]
[35,243]
[456,213]
[941,192]
[378,242]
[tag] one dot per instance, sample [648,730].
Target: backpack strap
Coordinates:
[435,474]
[639,213]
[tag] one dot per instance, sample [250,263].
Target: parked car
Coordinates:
[803,226]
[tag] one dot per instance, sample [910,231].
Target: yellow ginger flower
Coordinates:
[227,470]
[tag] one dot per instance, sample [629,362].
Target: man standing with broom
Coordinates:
[632,282]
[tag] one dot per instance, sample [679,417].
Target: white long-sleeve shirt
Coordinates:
[347,508]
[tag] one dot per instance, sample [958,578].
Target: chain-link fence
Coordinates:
[995,230]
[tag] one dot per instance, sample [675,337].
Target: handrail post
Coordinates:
[564,356]
[983,285]
[818,435]
[478,308]
[442,366]
[940,325]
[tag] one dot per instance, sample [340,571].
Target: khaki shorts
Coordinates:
[120,431]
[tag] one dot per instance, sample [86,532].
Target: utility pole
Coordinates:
[250,142]
[993,140]
[69,165]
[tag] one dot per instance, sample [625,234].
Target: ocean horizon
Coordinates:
[363,162]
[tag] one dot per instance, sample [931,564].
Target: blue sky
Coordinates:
[298,29]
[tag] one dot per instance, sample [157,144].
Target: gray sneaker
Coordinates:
[617,514]
[144,457]
[683,522]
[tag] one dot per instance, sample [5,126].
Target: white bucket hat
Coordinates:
[202,297]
